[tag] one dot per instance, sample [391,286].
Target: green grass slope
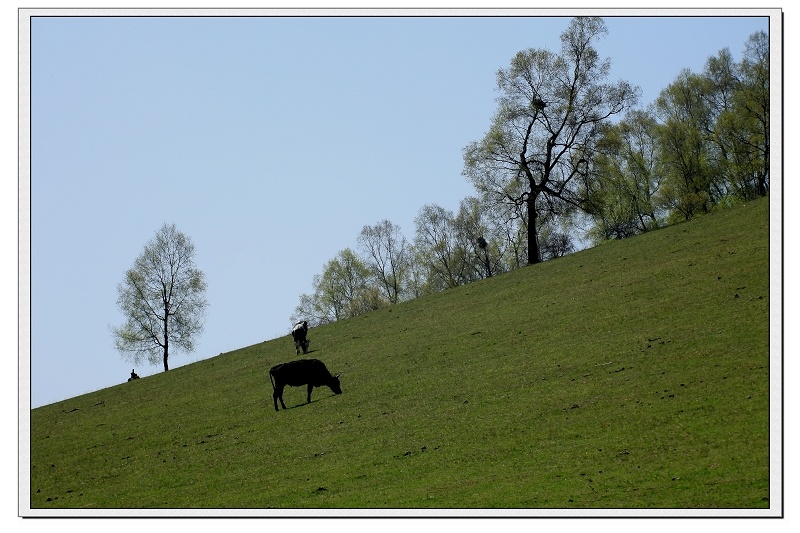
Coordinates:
[632,375]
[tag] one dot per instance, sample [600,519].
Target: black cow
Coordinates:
[299,332]
[134,375]
[311,372]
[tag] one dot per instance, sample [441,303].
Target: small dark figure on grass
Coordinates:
[299,333]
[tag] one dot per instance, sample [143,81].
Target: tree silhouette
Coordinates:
[543,133]
[162,298]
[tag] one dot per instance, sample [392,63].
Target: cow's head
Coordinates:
[334,385]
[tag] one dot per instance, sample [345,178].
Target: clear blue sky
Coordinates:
[270,142]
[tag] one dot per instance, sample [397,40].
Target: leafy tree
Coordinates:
[481,239]
[713,132]
[544,131]
[418,271]
[312,308]
[387,253]
[454,249]
[162,298]
[754,99]
[341,291]
[555,242]
[346,281]
[691,184]
[624,178]
[508,224]
[440,249]
[742,126]
[729,152]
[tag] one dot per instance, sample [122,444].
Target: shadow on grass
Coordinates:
[303,404]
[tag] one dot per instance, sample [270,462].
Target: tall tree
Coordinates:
[624,178]
[543,133]
[345,282]
[481,239]
[746,125]
[162,298]
[719,83]
[692,184]
[418,271]
[755,75]
[387,254]
[509,226]
[439,248]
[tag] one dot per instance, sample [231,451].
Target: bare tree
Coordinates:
[162,298]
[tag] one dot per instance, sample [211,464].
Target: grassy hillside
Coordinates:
[632,375]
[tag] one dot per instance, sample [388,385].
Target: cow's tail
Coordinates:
[271,380]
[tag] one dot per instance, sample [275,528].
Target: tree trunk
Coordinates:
[166,340]
[533,242]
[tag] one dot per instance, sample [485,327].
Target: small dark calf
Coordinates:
[134,375]
[311,372]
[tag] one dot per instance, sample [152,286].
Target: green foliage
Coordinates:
[554,158]
[685,118]
[388,259]
[440,247]
[341,291]
[703,143]
[163,300]
[620,191]
[544,131]
[633,375]
[746,126]
[714,132]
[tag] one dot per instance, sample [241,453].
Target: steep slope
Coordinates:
[632,375]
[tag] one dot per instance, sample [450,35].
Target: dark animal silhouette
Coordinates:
[311,372]
[134,375]
[299,333]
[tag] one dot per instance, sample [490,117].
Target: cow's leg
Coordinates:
[278,395]
[310,387]
[297,348]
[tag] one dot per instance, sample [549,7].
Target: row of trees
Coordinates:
[448,249]
[568,157]
[564,148]
[703,143]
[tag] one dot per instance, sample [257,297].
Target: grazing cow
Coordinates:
[299,332]
[311,372]
[134,375]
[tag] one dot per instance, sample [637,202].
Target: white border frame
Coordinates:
[776,468]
